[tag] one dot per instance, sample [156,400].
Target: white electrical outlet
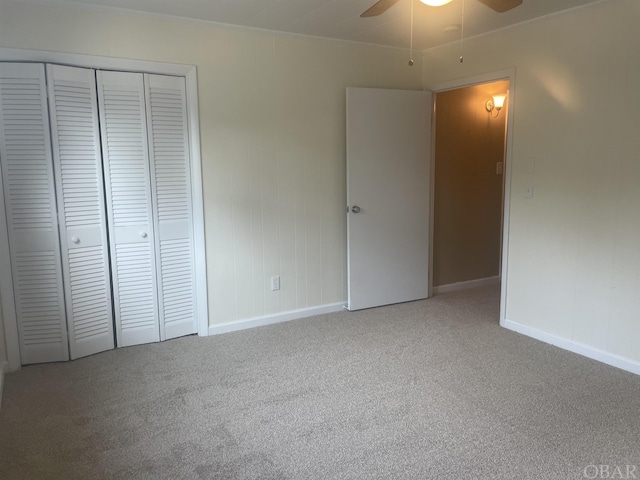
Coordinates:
[275,283]
[499,168]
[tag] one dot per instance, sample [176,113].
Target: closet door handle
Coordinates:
[75,240]
[143,234]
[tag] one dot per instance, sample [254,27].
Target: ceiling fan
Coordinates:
[382,6]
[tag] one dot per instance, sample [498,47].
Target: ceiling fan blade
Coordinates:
[379,8]
[501,5]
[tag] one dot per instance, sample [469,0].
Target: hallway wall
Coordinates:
[468,191]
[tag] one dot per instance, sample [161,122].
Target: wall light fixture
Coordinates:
[495,103]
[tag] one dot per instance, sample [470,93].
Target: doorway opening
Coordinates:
[470,153]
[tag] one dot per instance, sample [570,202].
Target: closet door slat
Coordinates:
[83,231]
[171,188]
[30,202]
[127,181]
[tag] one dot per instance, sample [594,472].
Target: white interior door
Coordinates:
[388,196]
[123,121]
[30,202]
[52,154]
[75,137]
[171,192]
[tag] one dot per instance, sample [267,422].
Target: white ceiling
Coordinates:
[340,19]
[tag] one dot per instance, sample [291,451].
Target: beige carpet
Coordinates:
[425,390]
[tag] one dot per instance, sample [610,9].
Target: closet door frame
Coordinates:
[126,65]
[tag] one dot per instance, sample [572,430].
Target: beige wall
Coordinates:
[468,192]
[272,120]
[574,255]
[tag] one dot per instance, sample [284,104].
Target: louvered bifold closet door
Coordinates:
[30,203]
[83,225]
[171,188]
[128,187]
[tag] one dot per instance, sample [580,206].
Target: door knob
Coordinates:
[355,209]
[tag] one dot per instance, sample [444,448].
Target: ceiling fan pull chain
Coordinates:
[462,35]
[411,37]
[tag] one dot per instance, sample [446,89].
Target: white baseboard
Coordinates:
[575,347]
[4,366]
[274,318]
[454,287]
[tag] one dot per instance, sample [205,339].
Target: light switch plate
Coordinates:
[528,191]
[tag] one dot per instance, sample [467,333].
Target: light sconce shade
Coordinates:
[435,3]
[495,103]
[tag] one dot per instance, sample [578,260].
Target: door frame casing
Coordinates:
[189,72]
[507,74]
